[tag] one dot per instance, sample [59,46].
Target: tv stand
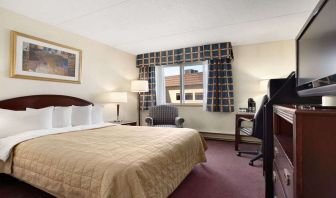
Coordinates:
[304,162]
[312,107]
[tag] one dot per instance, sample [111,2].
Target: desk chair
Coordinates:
[255,131]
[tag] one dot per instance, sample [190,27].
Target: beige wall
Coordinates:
[104,68]
[252,63]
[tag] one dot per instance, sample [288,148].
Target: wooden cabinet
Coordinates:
[278,186]
[284,168]
[304,162]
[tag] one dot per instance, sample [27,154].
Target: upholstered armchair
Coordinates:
[164,116]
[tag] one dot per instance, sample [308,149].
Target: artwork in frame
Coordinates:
[39,59]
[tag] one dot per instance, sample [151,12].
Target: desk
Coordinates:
[237,132]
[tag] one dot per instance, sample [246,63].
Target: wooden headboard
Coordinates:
[41,101]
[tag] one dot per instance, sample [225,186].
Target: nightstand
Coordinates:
[129,123]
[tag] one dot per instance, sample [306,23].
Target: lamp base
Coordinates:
[118,107]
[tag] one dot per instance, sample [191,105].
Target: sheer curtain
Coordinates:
[205,84]
[160,86]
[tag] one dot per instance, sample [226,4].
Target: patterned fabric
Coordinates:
[148,99]
[186,55]
[220,86]
[164,115]
[147,62]
[247,131]
[179,122]
[109,162]
[165,125]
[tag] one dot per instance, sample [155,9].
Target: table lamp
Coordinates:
[115,97]
[139,86]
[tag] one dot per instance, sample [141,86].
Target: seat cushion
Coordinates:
[246,130]
[163,114]
[165,125]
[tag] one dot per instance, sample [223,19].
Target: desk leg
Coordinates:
[237,138]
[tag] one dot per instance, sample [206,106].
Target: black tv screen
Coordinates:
[316,52]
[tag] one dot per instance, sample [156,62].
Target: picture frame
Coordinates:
[39,59]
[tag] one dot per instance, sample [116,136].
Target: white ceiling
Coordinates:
[139,26]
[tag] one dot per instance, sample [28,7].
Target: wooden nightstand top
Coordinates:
[245,113]
[123,122]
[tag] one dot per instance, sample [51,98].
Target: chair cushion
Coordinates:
[165,125]
[245,130]
[163,114]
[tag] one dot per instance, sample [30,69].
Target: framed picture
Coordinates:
[39,59]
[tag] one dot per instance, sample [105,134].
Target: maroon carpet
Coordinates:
[223,175]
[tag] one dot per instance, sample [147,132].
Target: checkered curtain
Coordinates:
[148,99]
[147,62]
[220,87]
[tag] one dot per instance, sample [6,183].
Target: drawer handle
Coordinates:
[274,177]
[276,151]
[287,176]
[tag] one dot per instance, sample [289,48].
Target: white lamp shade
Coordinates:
[114,97]
[139,86]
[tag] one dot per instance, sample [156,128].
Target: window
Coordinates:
[192,83]
[181,84]
[198,96]
[188,96]
[171,76]
[178,96]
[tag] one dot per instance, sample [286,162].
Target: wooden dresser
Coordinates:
[304,164]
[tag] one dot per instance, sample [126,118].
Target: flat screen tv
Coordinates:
[316,52]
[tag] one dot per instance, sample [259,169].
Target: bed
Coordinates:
[102,161]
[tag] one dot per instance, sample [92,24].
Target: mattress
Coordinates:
[114,161]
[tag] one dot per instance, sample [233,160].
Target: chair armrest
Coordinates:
[149,121]
[241,120]
[179,122]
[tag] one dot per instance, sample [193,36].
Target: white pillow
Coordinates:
[62,117]
[97,114]
[15,122]
[48,112]
[81,115]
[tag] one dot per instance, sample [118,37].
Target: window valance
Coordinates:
[220,83]
[186,55]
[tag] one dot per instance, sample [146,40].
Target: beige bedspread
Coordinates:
[116,161]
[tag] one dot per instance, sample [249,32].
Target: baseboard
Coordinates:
[229,137]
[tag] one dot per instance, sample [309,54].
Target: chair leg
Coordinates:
[247,152]
[259,156]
